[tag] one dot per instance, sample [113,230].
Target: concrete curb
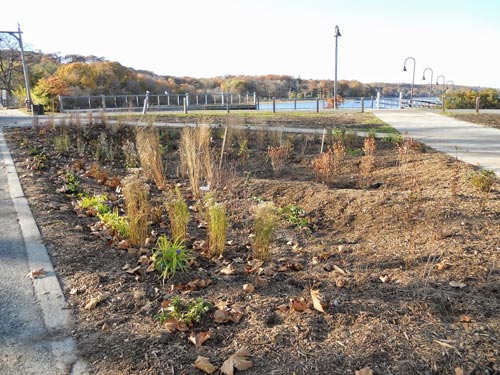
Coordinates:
[47,289]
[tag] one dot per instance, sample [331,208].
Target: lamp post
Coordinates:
[453,83]
[444,82]
[25,68]
[430,82]
[337,34]
[413,79]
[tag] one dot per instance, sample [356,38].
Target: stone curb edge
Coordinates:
[47,289]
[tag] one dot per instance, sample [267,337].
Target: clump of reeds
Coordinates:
[323,166]
[137,206]
[196,161]
[105,150]
[178,214]
[406,153]
[265,219]
[150,155]
[215,216]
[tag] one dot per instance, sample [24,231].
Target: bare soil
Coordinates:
[406,261]
[487,119]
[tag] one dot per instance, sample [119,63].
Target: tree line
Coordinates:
[51,75]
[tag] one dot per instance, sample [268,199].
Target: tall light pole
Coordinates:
[23,60]
[337,34]
[453,83]
[413,79]
[444,82]
[430,82]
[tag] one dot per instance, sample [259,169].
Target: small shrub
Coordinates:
[72,183]
[393,138]
[178,214]
[119,224]
[96,202]
[62,143]
[265,223]
[323,166]
[339,154]
[483,181]
[38,162]
[182,312]
[130,153]
[169,257]
[104,149]
[295,215]
[278,156]
[244,151]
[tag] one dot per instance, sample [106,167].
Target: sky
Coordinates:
[458,39]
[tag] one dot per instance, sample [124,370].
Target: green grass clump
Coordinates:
[170,257]
[62,143]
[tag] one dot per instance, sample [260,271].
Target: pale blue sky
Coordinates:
[203,38]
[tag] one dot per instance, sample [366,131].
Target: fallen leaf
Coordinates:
[93,302]
[123,245]
[228,314]
[457,284]
[248,288]
[340,282]
[228,270]
[283,308]
[339,270]
[460,371]
[465,319]
[173,325]
[317,300]
[443,265]
[384,278]
[203,364]
[445,344]
[199,338]
[33,274]
[260,282]
[238,360]
[364,371]
[298,305]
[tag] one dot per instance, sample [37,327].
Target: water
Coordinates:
[349,103]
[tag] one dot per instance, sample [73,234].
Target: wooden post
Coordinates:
[223,146]
[103,99]
[362,105]
[443,104]
[478,103]
[206,99]
[317,105]
[227,107]
[222,99]
[323,139]
[274,104]
[255,98]
[295,103]
[168,99]
[185,106]
[61,107]
[371,99]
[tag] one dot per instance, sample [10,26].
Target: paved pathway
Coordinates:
[474,144]
[35,327]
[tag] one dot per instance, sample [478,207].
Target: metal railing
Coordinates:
[159,102]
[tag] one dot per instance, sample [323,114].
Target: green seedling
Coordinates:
[170,257]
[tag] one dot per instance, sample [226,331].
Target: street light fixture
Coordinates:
[430,82]
[413,79]
[453,83]
[337,34]
[23,60]
[437,82]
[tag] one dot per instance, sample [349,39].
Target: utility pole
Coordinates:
[17,34]
[337,34]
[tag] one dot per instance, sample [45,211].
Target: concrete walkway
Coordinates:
[35,326]
[473,144]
